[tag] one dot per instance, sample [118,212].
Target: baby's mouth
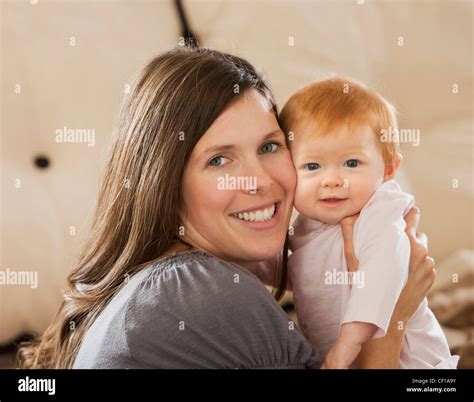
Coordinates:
[332,201]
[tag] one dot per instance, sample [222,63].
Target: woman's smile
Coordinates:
[263,217]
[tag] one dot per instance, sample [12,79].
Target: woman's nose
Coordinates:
[259,176]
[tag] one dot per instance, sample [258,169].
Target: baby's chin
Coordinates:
[329,218]
[317,216]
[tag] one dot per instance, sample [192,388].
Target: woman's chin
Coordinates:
[266,251]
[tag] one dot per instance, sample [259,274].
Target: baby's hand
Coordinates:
[341,355]
[347,226]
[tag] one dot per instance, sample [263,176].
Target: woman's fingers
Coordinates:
[422,239]
[430,270]
[418,241]
[422,274]
[427,275]
[412,218]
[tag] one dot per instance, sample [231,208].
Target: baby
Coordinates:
[345,166]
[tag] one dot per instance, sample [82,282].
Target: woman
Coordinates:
[167,278]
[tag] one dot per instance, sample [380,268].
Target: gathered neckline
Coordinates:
[184,255]
[195,255]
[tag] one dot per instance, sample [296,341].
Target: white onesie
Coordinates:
[326,296]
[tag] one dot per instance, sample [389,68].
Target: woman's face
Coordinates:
[239,183]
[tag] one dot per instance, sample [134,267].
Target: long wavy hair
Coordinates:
[175,99]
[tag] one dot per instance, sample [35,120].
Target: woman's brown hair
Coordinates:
[175,99]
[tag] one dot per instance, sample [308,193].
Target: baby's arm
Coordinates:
[347,228]
[348,344]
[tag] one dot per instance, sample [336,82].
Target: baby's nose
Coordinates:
[332,180]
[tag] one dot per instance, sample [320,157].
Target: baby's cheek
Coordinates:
[360,194]
[305,197]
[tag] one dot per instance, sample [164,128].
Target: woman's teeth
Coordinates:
[257,216]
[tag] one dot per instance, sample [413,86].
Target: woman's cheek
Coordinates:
[215,194]
[203,194]
[285,173]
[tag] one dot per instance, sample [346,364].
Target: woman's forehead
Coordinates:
[247,120]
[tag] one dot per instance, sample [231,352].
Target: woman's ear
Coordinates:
[391,169]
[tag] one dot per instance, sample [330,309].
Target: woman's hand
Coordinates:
[421,272]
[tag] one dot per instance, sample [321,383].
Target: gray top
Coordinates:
[193,310]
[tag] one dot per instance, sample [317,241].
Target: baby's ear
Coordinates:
[391,169]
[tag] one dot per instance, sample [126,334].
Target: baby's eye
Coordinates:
[216,162]
[352,163]
[269,147]
[312,166]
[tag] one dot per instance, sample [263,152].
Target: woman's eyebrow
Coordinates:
[218,148]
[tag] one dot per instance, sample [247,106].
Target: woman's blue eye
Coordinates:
[352,163]
[266,148]
[270,147]
[215,162]
[312,166]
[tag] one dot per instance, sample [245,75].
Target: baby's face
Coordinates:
[337,173]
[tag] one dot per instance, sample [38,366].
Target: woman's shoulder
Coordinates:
[195,310]
[198,284]
[195,273]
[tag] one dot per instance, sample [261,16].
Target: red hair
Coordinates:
[334,102]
